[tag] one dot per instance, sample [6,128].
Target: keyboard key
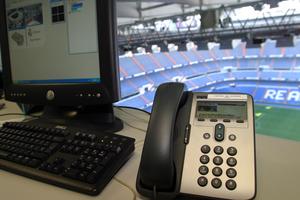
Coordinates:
[83,175]
[3,154]
[39,155]
[92,178]
[107,159]
[58,139]
[71,173]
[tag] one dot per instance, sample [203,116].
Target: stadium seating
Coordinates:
[205,69]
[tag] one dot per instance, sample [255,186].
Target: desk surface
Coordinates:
[278,168]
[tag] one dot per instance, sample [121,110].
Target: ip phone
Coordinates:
[198,145]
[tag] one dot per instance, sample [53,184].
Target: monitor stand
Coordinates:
[97,118]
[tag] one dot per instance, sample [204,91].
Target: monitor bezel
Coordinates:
[105,92]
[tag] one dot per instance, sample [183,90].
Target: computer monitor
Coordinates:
[62,55]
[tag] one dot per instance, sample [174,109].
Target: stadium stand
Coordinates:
[205,70]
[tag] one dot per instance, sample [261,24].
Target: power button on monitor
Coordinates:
[50,95]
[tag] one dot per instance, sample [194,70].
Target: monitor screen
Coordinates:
[57,50]
[53,42]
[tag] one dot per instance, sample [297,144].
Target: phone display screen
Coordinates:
[221,110]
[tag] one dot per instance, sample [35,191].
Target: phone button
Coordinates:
[218,150]
[232,151]
[219,132]
[217,171]
[187,134]
[218,160]
[205,149]
[232,137]
[230,184]
[206,136]
[231,161]
[231,173]
[202,181]
[203,170]
[216,183]
[204,159]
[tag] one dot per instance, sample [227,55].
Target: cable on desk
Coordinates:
[127,186]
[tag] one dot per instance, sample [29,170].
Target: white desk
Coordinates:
[278,169]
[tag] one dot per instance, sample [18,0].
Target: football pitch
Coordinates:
[278,122]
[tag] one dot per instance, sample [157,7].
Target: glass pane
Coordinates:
[176,49]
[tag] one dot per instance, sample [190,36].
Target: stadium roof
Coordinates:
[133,10]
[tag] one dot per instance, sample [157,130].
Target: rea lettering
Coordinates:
[282,95]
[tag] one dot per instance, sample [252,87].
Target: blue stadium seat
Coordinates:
[178,58]
[127,89]
[269,49]
[188,71]
[216,53]
[163,59]
[291,75]
[247,63]
[293,51]
[219,77]
[237,52]
[204,54]
[245,74]
[192,55]
[200,68]
[269,75]
[148,63]
[283,63]
[253,52]
[128,67]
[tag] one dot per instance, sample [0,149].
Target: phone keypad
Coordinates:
[218,166]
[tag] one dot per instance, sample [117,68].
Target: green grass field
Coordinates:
[278,122]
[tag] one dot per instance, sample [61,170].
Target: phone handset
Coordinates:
[157,170]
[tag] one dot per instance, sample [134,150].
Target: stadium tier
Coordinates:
[204,70]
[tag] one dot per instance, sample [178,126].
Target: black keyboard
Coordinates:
[77,160]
